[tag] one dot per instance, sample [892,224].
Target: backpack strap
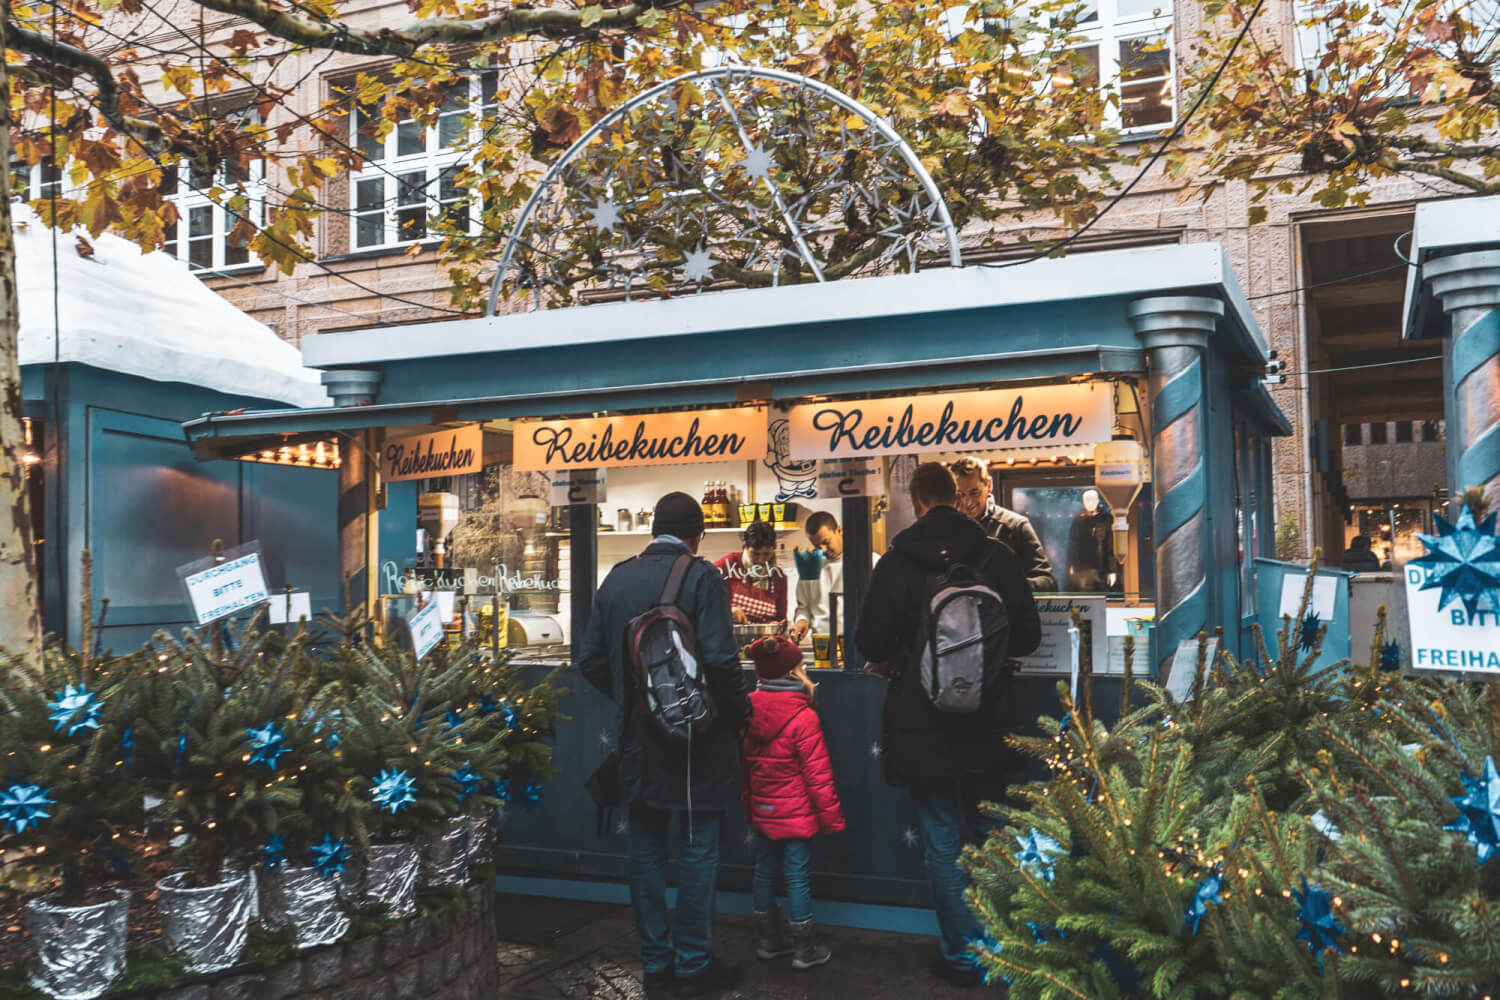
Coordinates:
[673,588]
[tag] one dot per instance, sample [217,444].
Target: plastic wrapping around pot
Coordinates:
[228,871]
[205,926]
[391,872]
[304,900]
[482,835]
[445,857]
[77,951]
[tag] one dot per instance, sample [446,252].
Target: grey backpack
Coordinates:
[965,638]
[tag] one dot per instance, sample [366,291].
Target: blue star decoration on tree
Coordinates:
[274,853]
[1320,928]
[329,719]
[1479,812]
[1206,894]
[501,788]
[1463,561]
[75,708]
[329,856]
[1390,656]
[393,790]
[23,807]
[986,948]
[488,705]
[1307,634]
[267,744]
[1036,853]
[454,720]
[468,781]
[127,744]
[531,796]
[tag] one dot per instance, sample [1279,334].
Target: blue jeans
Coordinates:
[942,810]
[688,948]
[793,859]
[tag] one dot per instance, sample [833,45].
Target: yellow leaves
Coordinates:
[590,15]
[181,78]
[955,103]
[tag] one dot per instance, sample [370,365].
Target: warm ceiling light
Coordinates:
[30,458]
[304,455]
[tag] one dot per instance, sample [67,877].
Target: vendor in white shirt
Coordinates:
[827,537]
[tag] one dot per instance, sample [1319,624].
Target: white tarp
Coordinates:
[146,315]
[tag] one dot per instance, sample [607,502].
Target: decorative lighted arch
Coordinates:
[756,176]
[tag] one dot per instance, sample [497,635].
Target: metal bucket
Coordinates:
[206,926]
[77,951]
[390,877]
[307,902]
[445,857]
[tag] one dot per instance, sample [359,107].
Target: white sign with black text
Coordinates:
[850,477]
[228,587]
[426,629]
[570,486]
[1055,654]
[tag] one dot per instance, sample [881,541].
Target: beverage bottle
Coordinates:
[707,503]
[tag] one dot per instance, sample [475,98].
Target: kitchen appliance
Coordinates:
[530,628]
[438,515]
[1119,472]
[643,519]
[744,635]
[624,520]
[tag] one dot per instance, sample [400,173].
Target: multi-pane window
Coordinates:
[34,182]
[210,204]
[1126,48]
[409,174]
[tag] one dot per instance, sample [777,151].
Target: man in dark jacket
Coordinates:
[951,762]
[661,779]
[976,499]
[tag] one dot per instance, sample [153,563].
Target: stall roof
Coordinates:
[144,315]
[1200,267]
[1442,228]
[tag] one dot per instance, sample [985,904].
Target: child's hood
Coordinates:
[773,710]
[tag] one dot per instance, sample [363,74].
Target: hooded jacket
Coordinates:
[921,742]
[788,791]
[654,771]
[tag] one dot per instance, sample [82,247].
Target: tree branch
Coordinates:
[406,40]
[1476,184]
[148,133]
[1418,144]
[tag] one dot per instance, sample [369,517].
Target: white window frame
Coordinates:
[434,163]
[36,182]
[215,199]
[1310,40]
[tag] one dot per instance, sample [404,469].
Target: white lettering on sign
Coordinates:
[442,453]
[1041,416]
[426,629]
[570,486]
[850,477]
[227,588]
[734,434]
[1450,638]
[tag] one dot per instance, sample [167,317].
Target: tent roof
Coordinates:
[146,315]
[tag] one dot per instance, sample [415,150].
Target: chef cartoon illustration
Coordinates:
[797,479]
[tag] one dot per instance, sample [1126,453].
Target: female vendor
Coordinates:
[757,586]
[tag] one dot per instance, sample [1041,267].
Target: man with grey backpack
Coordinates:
[660,644]
[948,609]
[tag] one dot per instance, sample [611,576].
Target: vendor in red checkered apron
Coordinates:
[757,586]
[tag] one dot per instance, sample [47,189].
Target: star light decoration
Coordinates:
[1463,563]
[23,807]
[692,166]
[267,744]
[76,708]
[1206,895]
[1319,927]
[393,790]
[329,855]
[909,837]
[1036,854]
[876,750]
[1479,812]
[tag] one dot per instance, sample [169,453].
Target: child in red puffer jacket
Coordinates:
[788,795]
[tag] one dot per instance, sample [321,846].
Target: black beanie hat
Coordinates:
[679,515]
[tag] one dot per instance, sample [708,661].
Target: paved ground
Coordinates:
[551,950]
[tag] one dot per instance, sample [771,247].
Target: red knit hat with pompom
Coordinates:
[775,656]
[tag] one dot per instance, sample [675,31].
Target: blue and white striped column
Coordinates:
[1468,285]
[1175,331]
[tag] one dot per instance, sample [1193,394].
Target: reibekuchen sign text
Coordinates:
[1040,416]
[449,452]
[676,438]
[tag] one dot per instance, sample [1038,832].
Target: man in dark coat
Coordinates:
[661,779]
[951,762]
[976,499]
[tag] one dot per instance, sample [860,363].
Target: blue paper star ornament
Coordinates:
[329,856]
[393,790]
[274,853]
[1319,927]
[23,807]
[1479,812]
[76,708]
[1310,631]
[1206,895]
[1036,853]
[267,744]
[468,781]
[1463,562]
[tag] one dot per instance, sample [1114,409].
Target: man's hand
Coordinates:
[799,630]
[878,669]
[738,616]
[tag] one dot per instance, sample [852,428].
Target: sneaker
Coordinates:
[809,953]
[659,984]
[718,977]
[952,974]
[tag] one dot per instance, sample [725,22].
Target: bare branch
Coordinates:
[1476,184]
[406,40]
[148,133]
[1418,144]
